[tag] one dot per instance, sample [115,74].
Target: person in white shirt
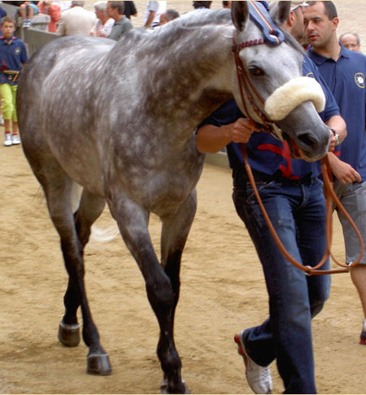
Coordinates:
[103,25]
[153,11]
[76,20]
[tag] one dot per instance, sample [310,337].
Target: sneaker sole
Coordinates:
[238,339]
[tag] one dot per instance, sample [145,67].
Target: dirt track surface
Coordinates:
[222,292]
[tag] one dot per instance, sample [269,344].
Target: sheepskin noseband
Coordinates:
[290,95]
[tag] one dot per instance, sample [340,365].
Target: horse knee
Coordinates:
[160,292]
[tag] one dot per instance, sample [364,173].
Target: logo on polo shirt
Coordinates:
[360,80]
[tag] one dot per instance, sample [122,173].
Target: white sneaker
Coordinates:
[259,377]
[7,140]
[15,139]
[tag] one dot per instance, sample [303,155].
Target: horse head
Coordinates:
[268,84]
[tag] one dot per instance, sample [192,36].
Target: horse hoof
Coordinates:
[69,335]
[99,364]
[164,388]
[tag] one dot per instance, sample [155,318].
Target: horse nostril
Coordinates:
[308,140]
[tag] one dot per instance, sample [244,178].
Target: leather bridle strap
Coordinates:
[272,36]
[247,89]
[330,196]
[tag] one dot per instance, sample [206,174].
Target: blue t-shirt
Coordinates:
[13,55]
[346,79]
[267,154]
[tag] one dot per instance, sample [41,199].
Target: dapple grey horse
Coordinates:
[117,119]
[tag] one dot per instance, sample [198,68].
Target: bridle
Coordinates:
[274,36]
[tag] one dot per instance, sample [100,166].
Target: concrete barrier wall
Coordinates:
[33,38]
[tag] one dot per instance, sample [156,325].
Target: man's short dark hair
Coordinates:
[119,5]
[202,4]
[330,9]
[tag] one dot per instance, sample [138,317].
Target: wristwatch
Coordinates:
[336,136]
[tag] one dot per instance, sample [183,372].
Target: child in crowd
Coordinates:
[13,55]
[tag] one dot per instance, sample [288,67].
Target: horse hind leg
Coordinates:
[74,231]
[90,208]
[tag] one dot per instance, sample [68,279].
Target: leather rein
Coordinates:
[330,197]
[256,104]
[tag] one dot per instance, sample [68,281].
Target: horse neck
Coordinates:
[190,69]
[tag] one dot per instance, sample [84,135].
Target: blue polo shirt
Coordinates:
[346,78]
[267,154]
[13,55]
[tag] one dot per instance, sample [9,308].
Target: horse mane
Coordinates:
[174,30]
[169,33]
[202,17]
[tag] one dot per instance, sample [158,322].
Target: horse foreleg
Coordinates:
[133,224]
[174,236]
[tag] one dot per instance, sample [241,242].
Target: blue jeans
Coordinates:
[297,212]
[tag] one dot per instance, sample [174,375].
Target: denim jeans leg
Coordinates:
[298,215]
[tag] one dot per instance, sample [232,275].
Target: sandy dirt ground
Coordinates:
[222,292]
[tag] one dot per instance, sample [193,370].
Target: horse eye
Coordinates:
[256,71]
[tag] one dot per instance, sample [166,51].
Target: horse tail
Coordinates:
[76,192]
[101,235]
[104,235]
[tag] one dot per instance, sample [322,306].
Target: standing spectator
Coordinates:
[153,11]
[292,196]
[13,55]
[345,73]
[76,21]
[53,10]
[27,10]
[351,41]
[64,5]
[2,14]
[201,4]
[104,24]
[121,23]
[129,9]
[168,16]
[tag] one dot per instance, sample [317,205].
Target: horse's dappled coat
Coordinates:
[118,119]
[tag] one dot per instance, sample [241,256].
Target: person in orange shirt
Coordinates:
[53,10]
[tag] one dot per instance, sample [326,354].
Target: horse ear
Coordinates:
[240,14]
[280,10]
